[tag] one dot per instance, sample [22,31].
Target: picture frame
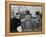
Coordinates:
[7,17]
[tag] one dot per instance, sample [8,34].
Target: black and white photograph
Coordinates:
[25,18]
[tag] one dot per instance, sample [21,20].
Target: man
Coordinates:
[39,21]
[26,22]
[14,22]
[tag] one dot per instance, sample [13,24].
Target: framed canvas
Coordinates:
[24,18]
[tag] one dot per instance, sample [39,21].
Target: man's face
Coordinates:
[18,16]
[27,16]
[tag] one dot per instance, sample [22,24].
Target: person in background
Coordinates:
[38,21]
